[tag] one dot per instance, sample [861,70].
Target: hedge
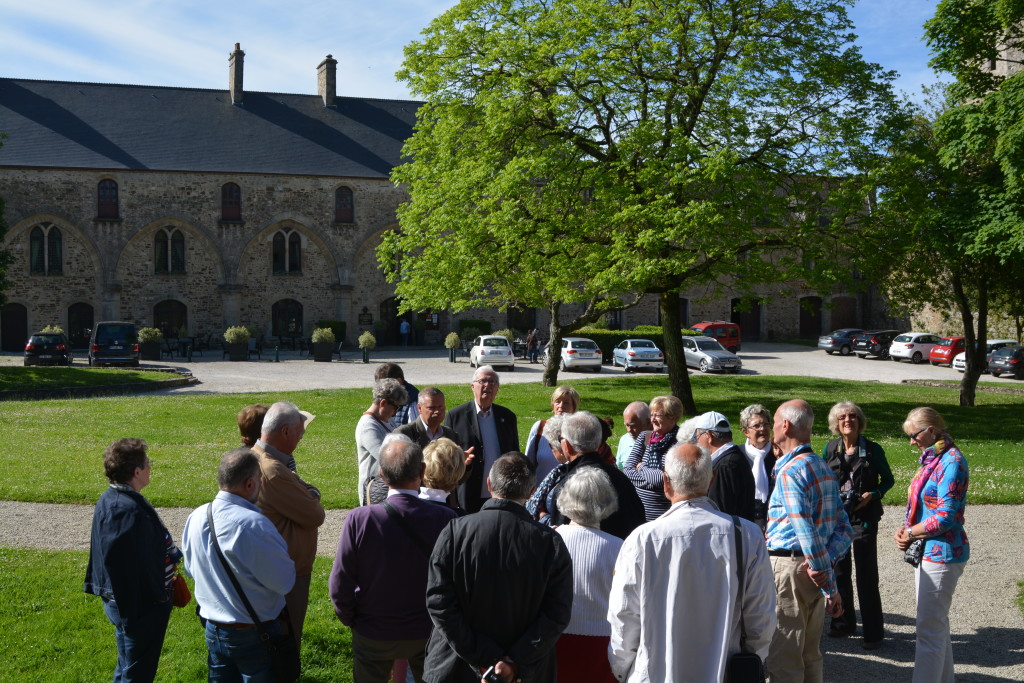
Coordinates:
[483,325]
[607,340]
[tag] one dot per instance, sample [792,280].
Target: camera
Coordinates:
[491,676]
[850,499]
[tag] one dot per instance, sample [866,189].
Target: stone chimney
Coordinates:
[235,62]
[327,80]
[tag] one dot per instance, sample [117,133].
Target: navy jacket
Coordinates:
[733,488]
[462,420]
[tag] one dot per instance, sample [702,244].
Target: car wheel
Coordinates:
[845,350]
[933,362]
[828,351]
[27,364]
[917,358]
[564,369]
[511,368]
[704,366]
[862,355]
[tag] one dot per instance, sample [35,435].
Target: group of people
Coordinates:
[660,557]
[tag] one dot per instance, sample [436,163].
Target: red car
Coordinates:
[946,350]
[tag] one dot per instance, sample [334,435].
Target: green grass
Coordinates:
[23,379]
[54,632]
[53,450]
[1020,596]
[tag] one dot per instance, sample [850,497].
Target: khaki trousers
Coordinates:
[795,654]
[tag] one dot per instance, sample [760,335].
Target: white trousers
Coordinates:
[933,657]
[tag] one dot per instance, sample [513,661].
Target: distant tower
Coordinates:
[235,62]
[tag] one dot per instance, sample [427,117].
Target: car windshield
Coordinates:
[585,344]
[46,339]
[709,345]
[904,338]
[946,342]
[114,334]
[496,341]
[643,344]
[1006,351]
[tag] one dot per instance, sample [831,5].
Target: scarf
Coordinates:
[930,459]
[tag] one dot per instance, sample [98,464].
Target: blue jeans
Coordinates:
[239,655]
[139,640]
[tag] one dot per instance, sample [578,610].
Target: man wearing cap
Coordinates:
[289,502]
[733,487]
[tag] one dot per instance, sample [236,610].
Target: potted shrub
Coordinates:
[323,344]
[452,342]
[367,342]
[236,342]
[149,343]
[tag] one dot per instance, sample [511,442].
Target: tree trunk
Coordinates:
[554,348]
[675,360]
[977,343]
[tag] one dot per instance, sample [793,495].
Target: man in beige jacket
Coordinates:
[290,503]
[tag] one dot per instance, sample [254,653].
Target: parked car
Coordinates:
[633,354]
[48,348]
[840,340]
[912,346]
[578,352]
[114,343]
[1008,360]
[727,334]
[707,354]
[960,361]
[874,343]
[943,352]
[491,349]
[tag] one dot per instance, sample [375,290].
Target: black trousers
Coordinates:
[864,554]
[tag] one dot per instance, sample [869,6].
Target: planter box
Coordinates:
[323,351]
[239,351]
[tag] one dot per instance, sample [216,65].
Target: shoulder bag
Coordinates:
[284,653]
[744,666]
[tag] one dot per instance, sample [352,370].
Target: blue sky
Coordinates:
[186,42]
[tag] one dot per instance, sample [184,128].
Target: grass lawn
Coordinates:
[55,447]
[57,633]
[23,379]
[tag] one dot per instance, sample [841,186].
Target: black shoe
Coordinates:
[838,630]
[872,644]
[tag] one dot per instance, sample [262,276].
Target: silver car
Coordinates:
[632,354]
[707,354]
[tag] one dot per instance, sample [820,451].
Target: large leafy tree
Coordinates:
[585,152]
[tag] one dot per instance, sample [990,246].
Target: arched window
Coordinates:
[287,253]
[169,251]
[46,252]
[106,200]
[344,207]
[230,202]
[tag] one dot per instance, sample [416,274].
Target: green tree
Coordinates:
[586,152]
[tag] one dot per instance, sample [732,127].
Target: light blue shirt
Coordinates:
[254,549]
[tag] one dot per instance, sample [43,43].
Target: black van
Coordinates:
[114,343]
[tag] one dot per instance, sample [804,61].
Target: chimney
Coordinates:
[235,74]
[327,80]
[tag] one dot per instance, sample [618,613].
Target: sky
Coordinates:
[186,43]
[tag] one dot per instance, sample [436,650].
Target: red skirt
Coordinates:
[583,659]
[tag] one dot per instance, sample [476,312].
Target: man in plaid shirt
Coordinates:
[807,532]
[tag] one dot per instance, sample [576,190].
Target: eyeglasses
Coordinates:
[916,434]
[485,381]
[658,416]
[757,425]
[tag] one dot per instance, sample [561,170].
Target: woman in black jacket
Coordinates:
[132,560]
[864,477]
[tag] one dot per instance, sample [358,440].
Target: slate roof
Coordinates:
[56,124]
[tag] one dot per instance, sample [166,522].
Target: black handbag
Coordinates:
[744,666]
[284,653]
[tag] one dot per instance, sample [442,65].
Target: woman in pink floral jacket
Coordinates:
[935,515]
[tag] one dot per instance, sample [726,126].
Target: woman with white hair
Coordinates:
[388,396]
[587,498]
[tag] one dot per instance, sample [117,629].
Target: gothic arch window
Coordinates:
[344,206]
[46,250]
[106,200]
[287,253]
[230,202]
[169,251]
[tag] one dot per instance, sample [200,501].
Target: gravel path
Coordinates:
[988,628]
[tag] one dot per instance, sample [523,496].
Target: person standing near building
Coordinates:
[807,533]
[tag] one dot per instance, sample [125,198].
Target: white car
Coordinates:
[707,354]
[633,354]
[578,352]
[913,346]
[491,349]
[960,360]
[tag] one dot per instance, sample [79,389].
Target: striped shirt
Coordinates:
[805,513]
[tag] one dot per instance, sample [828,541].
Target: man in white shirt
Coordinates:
[687,557]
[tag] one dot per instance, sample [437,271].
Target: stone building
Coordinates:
[191,209]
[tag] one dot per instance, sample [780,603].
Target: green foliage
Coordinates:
[367,340]
[54,329]
[470,333]
[478,326]
[35,377]
[323,335]
[509,334]
[337,326]
[452,341]
[148,335]
[237,334]
[607,340]
[1020,596]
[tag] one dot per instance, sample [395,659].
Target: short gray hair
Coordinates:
[513,477]
[583,431]
[486,370]
[752,411]
[401,461]
[390,390]
[587,497]
[429,392]
[236,467]
[691,479]
[281,414]
[799,414]
[640,409]
[686,431]
[553,431]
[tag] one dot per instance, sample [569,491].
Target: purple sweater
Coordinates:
[379,580]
